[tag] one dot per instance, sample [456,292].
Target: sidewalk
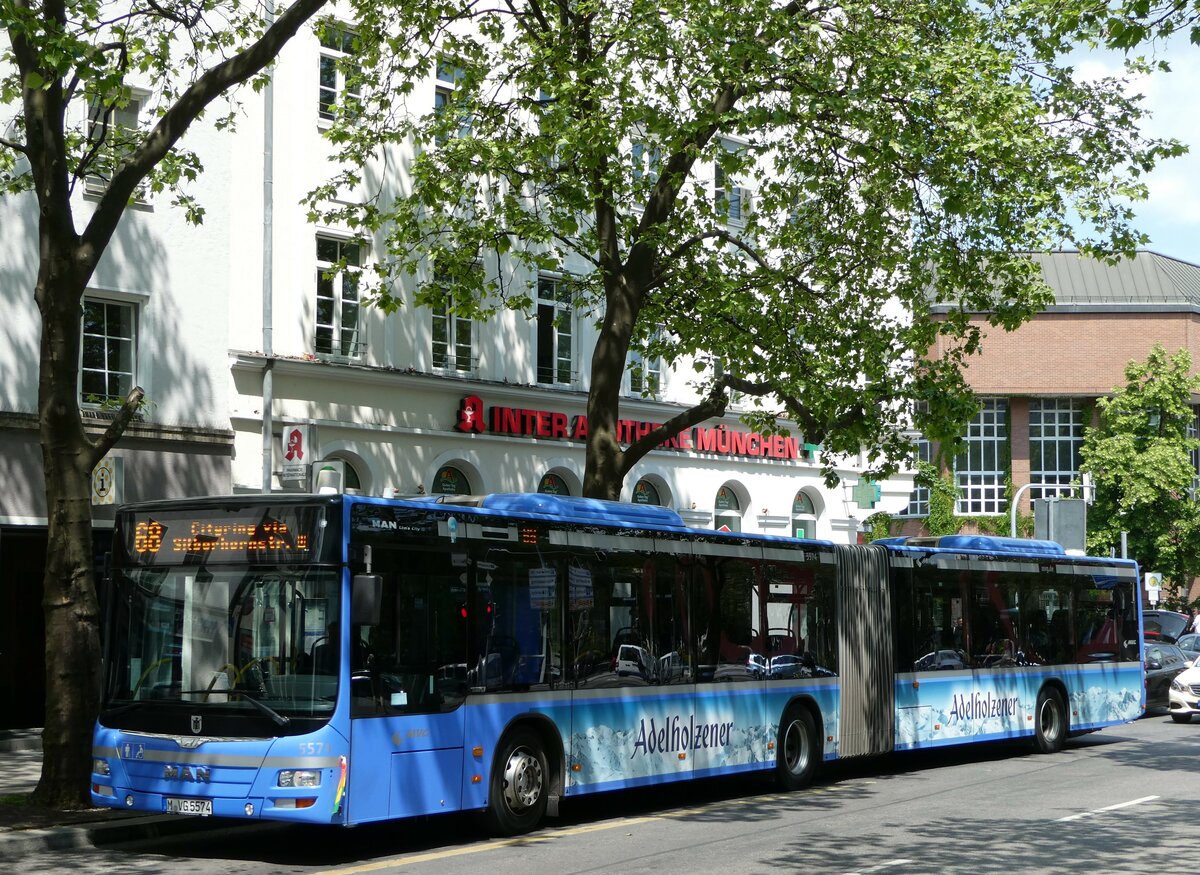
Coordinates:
[37,831]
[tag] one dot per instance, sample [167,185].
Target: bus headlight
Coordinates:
[300,778]
[100,767]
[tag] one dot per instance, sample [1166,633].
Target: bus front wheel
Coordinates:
[797,751]
[1050,722]
[517,796]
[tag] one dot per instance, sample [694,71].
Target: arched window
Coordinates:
[552,484]
[450,481]
[804,517]
[727,511]
[644,492]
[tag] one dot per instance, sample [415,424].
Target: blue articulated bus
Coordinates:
[345,659]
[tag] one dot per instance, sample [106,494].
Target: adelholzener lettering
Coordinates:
[675,736]
[980,706]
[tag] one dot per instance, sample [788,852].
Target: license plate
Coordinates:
[202,807]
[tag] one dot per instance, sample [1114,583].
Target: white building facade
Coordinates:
[241,336]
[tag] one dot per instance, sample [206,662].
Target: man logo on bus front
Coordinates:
[197,722]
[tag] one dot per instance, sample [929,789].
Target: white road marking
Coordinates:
[881,866]
[1096,811]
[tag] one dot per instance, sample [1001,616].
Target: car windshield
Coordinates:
[234,640]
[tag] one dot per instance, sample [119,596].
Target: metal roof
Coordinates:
[1147,278]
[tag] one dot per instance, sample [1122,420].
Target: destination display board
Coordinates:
[258,534]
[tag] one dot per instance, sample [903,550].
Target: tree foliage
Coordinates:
[889,151]
[1140,459]
[67,70]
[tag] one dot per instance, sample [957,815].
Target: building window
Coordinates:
[732,200]
[552,484]
[338,84]
[113,132]
[645,492]
[555,332]
[804,517]
[645,374]
[452,337]
[727,511]
[1055,436]
[646,161]
[108,354]
[450,481]
[449,76]
[982,467]
[337,330]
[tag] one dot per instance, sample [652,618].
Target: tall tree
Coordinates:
[67,71]
[1141,461]
[774,192]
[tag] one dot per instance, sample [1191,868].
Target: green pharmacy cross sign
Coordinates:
[866,493]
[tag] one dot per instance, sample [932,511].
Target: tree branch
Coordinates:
[14,145]
[215,82]
[129,408]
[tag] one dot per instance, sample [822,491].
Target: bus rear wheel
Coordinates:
[797,749]
[1050,722]
[517,796]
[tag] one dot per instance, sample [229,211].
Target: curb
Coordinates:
[20,739]
[15,844]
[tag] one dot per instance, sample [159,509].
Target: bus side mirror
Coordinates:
[366,599]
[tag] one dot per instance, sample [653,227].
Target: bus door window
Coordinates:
[1103,620]
[413,659]
[939,631]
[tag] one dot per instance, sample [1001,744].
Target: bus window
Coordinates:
[514,622]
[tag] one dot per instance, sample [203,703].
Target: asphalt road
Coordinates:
[1120,800]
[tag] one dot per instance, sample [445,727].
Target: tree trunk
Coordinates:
[604,468]
[69,591]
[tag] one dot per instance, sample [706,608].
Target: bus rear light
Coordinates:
[303,802]
[102,790]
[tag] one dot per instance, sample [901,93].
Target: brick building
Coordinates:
[1038,385]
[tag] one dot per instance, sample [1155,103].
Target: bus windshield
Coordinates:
[231,641]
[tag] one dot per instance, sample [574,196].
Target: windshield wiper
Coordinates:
[266,709]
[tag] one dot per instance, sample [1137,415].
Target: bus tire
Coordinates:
[1049,722]
[519,785]
[797,751]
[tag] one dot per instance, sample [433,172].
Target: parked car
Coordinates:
[1163,663]
[1184,695]
[1190,644]
[1165,626]
[634,661]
